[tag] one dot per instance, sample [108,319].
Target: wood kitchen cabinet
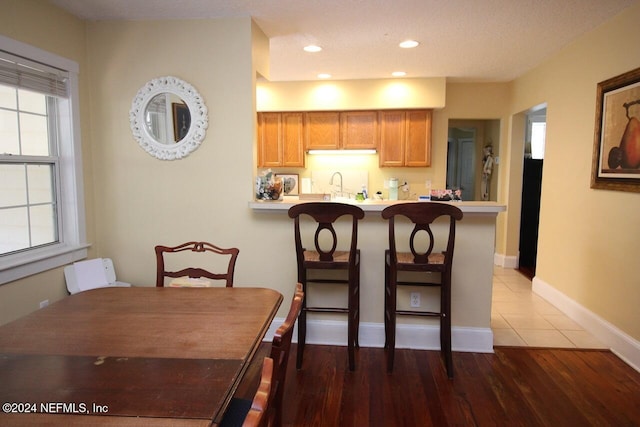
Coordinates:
[280,140]
[334,130]
[359,130]
[405,138]
[322,130]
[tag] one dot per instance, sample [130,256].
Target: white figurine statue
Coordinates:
[487,168]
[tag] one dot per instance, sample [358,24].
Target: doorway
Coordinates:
[466,142]
[531,191]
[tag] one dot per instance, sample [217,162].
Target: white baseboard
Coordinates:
[418,337]
[505,261]
[623,345]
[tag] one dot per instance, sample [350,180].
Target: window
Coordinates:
[41,210]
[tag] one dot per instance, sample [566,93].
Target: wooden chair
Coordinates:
[325,214]
[422,215]
[247,413]
[193,272]
[280,348]
[262,401]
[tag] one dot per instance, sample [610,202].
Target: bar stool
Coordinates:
[321,260]
[422,215]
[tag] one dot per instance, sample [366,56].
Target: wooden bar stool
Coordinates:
[321,259]
[422,215]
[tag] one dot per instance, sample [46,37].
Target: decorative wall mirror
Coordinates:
[168,118]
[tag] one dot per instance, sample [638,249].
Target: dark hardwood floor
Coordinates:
[512,387]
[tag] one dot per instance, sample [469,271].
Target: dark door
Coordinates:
[530,215]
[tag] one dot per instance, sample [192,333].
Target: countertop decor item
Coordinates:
[269,187]
[290,184]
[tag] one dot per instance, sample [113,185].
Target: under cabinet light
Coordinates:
[334,152]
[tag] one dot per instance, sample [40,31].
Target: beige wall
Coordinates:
[41,25]
[351,94]
[589,240]
[472,101]
[142,201]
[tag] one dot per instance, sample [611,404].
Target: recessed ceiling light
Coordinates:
[407,44]
[312,48]
[324,76]
[398,74]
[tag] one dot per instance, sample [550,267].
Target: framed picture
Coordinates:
[290,182]
[181,120]
[616,148]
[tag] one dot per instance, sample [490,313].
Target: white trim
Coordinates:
[36,54]
[623,345]
[73,246]
[417,337]
[505,261]
[37,261]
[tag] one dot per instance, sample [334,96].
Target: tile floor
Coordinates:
[521,318]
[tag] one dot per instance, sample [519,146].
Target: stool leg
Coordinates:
[390,318]
[357,309]
[445,343]
[445,324]
[386,303]
[353,316]
[302,323]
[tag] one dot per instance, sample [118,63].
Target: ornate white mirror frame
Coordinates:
[197,111]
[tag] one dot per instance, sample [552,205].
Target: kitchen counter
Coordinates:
[472,278]
[369,205]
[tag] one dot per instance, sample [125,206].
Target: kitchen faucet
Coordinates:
[331,181]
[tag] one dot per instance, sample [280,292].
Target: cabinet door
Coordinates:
[269,141]
[359,129]
[292,140]
[392,138]
[418,138]
[322,130]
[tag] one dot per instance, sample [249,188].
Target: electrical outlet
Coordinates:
[415,299]
[44,303]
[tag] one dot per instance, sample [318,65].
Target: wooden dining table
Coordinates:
[132,356]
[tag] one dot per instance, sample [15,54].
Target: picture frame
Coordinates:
[290,183]
[616,147]
[181,120]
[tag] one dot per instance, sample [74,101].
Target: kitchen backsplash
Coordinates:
[352,181]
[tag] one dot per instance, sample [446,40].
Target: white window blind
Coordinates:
[25,74]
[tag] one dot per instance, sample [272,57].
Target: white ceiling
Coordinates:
[464,40]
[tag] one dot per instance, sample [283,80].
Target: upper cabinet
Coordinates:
[402,137]
[405,138]
[334,130]
[359,130]
[280,140]
[322,131]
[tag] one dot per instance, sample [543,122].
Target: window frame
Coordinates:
[72,245]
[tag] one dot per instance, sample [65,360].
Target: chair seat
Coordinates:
[407,258]
[338,256]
